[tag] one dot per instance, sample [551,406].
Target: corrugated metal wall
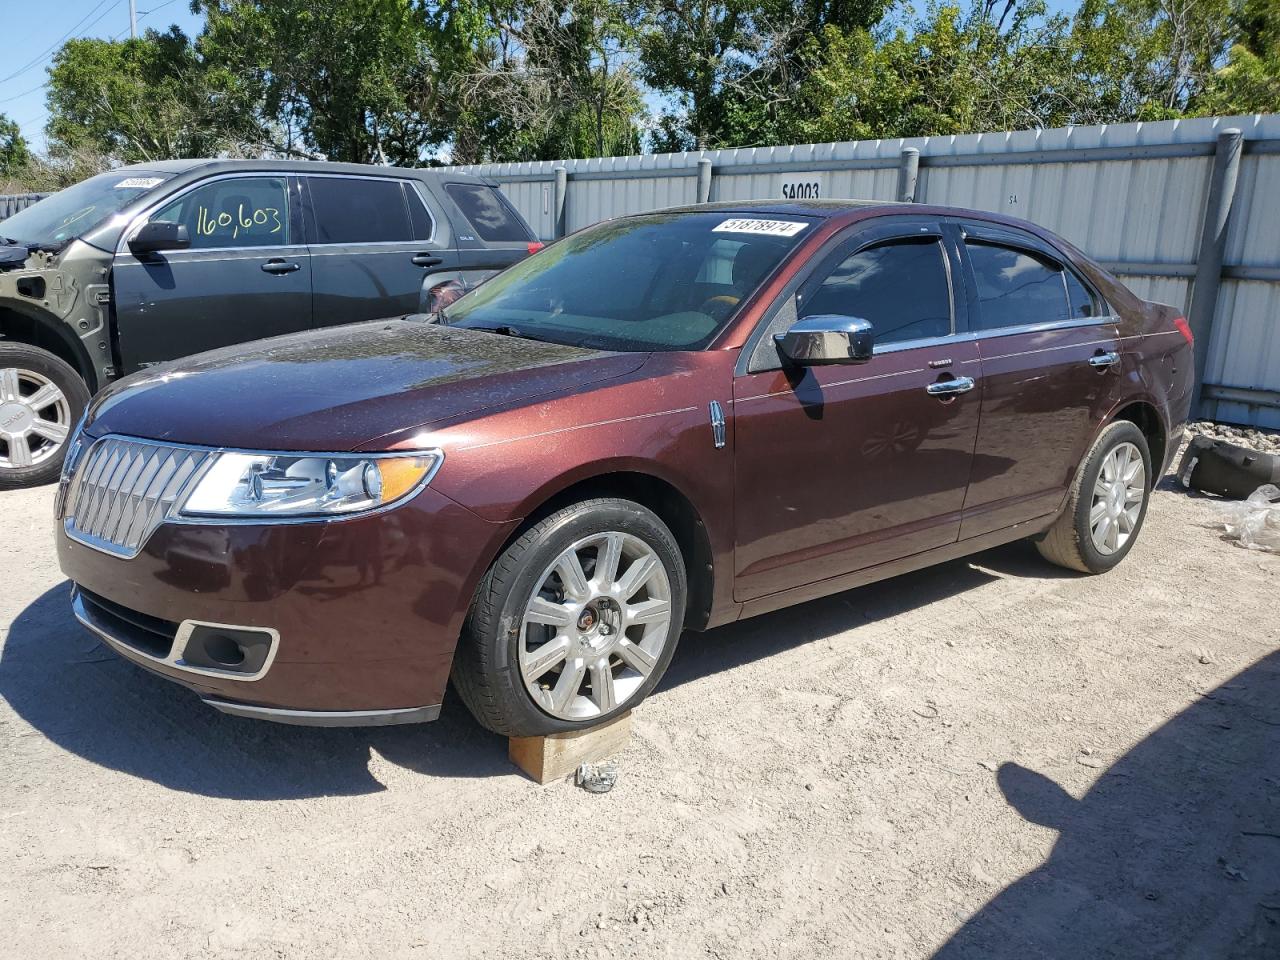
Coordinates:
[9,205]
[1131,195]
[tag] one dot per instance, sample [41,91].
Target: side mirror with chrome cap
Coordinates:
[827,338]
[160,235]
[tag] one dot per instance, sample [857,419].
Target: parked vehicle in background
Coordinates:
[663,422]
[149,263]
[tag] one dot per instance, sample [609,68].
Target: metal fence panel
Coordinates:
[11,204]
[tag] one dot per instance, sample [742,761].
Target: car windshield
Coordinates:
[70,212]
[665,281]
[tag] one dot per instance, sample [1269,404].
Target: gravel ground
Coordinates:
[990,759]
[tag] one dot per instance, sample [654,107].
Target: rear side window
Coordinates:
[1015,287]
[487,211]
[1079,299]
[901,288]
[235,212]
[355,210]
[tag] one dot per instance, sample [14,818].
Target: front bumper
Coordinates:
[358,618]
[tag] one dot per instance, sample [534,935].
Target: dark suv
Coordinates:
[145,264]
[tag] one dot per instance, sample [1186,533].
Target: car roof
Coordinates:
[851,209]
[207,166]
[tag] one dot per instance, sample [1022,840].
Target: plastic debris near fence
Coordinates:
[1255,523]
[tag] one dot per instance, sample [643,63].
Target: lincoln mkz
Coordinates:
[660,424]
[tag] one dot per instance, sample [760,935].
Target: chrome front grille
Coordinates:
[123,489]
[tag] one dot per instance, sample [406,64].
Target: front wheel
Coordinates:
[575,622]
[41,399]
[1106,505]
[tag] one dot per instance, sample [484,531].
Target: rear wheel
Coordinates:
[41,398]
[575,623]
[1107,503]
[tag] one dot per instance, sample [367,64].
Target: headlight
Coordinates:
[306,485]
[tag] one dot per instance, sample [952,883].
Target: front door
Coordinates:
[844,467]
[1050,363]
[246,275]
[373,243]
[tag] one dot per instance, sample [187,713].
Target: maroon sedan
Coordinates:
[663,423]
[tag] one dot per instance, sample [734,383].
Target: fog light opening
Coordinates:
[223,650]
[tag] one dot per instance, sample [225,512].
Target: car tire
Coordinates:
[1107,503]
[547,652]
[30,374]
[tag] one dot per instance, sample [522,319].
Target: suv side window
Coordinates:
[359,210]
[234,212]
[488,212]
[901,287]
[1015,287]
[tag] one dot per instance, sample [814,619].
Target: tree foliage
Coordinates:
[424,81]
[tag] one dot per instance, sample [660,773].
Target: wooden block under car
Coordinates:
[557,755]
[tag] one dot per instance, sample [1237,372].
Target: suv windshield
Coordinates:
[666,281]
[70,212]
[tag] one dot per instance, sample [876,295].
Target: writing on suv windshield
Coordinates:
[654,282]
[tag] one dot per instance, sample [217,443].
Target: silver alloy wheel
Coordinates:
[595,626]
[1117,498]
[35,418]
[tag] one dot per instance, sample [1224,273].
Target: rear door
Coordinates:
[1050,353]
[246,275]
[373,242]
[843,467]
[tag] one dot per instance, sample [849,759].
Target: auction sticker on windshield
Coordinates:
[768,228]
[143,183]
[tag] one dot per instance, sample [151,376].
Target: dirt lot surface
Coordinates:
[989,759]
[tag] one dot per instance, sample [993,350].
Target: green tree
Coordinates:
[352,80]
[149,98]
[15,155]
[1250,80]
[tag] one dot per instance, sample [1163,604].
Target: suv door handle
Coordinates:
[1104,361]
[276,265]
[426,260]
[949,388]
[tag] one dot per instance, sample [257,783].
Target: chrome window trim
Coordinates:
[122,245]
[972,335]
[174,516]
[405,183]
[181,639]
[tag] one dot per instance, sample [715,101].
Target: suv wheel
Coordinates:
[41,399]
[1106,505]
[575,622]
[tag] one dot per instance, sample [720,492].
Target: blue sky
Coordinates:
[35,30]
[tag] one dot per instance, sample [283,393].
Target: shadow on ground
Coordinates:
[89,701]
[1173,853]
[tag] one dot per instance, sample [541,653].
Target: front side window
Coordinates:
[1015,287]
[356,210]
[487,211]
[662,281]
[901,288]
[236,212]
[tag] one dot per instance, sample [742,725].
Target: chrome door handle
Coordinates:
[280,266]
[946,388]
[1102,361]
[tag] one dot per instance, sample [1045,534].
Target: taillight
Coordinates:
[535,246]
[1184,328]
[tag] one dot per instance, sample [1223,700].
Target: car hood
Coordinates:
[340,388]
